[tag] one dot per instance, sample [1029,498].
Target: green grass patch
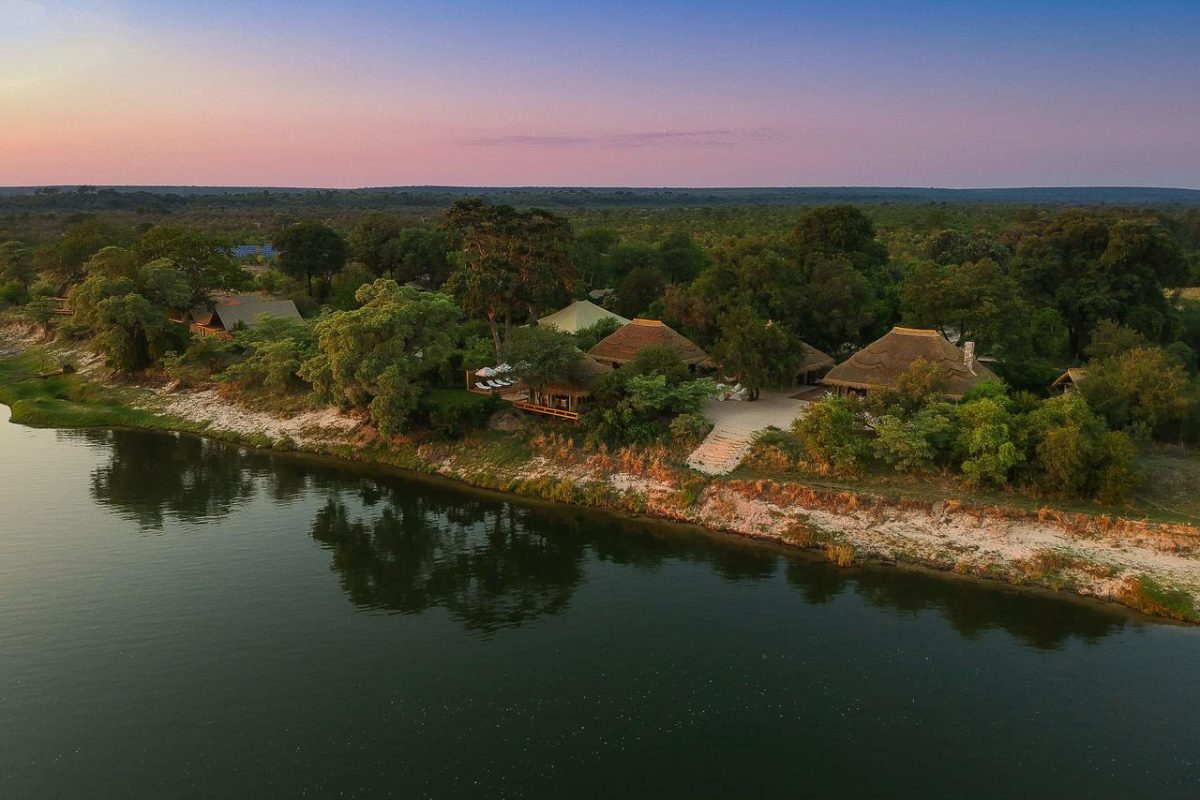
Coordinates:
[64,401]
[1150,597]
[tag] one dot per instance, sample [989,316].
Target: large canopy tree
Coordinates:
[311,250]
[510,262]
[378,356]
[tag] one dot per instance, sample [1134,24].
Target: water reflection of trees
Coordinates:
[491,565]
[149,477]
[407,546]
[970,608]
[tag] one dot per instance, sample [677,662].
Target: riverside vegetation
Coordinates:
[396,309]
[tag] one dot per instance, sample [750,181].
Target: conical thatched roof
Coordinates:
[815,359]
[577,316]
[880,363]
[621,346]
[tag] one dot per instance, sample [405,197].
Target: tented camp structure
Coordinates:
[879,364]
[621,346]
[577,316]
[231,310]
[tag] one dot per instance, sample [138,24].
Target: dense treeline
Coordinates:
[398,305]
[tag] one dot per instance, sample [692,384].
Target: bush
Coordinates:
[689,429]
[451,412]
[833,434]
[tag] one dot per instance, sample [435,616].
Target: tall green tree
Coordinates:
[509,262]
[757,352]
[379,356]
[311,250]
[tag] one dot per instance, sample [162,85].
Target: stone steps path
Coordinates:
[721,451]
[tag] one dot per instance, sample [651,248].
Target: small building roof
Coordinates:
[1072,377]
[815,359]
[621,346]
[229,310]
[577,316]
[880,363]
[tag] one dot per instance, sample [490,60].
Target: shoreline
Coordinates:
[1150,567]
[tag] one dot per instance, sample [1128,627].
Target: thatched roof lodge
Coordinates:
[577,316]
[815,362]
[621,346]
[1069,381]
[879,364]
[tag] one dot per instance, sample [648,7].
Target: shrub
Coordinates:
[451,412]
[833,435]
[689,428]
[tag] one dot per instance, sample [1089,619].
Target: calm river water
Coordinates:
[182,618]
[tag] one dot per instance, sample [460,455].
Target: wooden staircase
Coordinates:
[721,451]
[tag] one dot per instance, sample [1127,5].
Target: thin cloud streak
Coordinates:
[697,138]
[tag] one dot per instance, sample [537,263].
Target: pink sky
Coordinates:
[107,93]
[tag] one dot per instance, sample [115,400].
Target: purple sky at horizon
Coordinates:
[757,93]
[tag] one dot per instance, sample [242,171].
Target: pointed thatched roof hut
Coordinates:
[621,346]
[1069,381]
[815,359]
[577,316]
[879,364]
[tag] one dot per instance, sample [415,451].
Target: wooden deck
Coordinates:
[525,405]
[61,307]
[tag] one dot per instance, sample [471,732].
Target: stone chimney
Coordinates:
[969,357]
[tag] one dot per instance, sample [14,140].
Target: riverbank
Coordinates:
[1152,565]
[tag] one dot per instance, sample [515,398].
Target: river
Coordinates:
[186,618]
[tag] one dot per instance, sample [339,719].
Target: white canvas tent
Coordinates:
[577,316]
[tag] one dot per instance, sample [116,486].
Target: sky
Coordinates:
[535,92]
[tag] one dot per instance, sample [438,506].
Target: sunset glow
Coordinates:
[642,94]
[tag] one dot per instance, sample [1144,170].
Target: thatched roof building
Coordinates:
[577,316]
[815,359]
[621,346]
[879,364]
[1069,381]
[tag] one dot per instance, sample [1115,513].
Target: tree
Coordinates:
[310,249]
[205,264]
[832,433]
[379,355]
[757,352]
[112,262]
[591,254]
[16,263]
[508,261]
[975,301]
[164,284]
[1112,339]
[369,239]
[418,254]
[638,290]
[134,333]
[1090,268]
[1145,390]
[1076,454]
[64,260]
[545,356]
[589,337]
[986,442]
[680,258]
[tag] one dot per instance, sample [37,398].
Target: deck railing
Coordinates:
[525,405]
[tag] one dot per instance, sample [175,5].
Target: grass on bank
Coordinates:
[1169,492]
[65,401]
